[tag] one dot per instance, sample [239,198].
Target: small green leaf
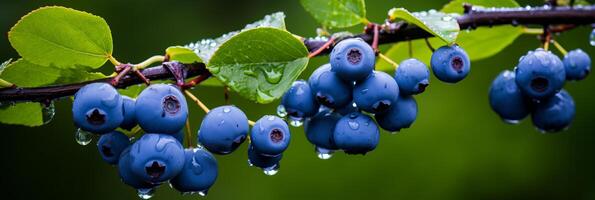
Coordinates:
[27,114]
[25,74]
[212,82]
[439,24]
[133,91]
[260,64]
[183,55]
[4,64]
[337,13]
[62,37]
[456,6]
[207,47]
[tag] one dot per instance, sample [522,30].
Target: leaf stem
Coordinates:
[388,60]
[188,134]
[429,45]
[197,101]
[114,61]
[149,61]
[532,31]
[559,47]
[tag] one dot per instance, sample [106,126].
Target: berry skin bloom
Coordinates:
[555,113]
[223,129]
[161,108]
[111,145]
[540,74]
[199,173]
[376,93]
[352,59]
[450,64]
[299,101]
[412,76]
[401,115]
[270,135]
[156,158]
[506,98]
[577,64]
[356,133]
[97,108]
[330,90]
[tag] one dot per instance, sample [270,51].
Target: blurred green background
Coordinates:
[457,149]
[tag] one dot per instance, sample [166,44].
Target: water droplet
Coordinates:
[202,193]
[271,171]
[393,132]
[354,105]
[271,118]
[447,18]
[250,72]
[82,137]
[353,124]
[48,113]
[145,193]
[263,97]
[281,111]
[274,74]
[250,163]
[364,91]
[511,121]
[226,110]
[592,38]
[296,122]
[323,153]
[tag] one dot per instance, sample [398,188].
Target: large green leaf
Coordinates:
[62,37]
[439,24]
[337,13]
[182,54]
[260,64]
[25,74]
[76,76]
[27,114]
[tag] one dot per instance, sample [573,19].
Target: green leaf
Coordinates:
[4,64]
[212,82]
[337,13]
[77,75]
[27,114]
[132,91]
[183,55]
[439,24]
[206,47]
[260,64]
[62,37]
[456,6]
[25,74]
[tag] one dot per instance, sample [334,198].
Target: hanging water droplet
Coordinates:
[511,121]
[82,137]
[273,75]
[296,122]
[226,110]
[250,163]
[271,171]
[592,38]
[145,193]
[281,111]
[364,91]
[353,125]
[202,193]
[393,132]
[271,118]
[48,113]
[447,18]
[323,153]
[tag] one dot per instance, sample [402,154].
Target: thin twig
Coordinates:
[559,47]
[188,134]
[197,101]
[429,45]
[388,60]
[326,45]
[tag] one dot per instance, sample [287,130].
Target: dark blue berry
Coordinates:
[329,89]
[299,101]
[223,129]
[111,145]
[506,99]
[353,59]
[199,173]
[377,93]
[161,108]
[356,133]
[540,74]
[319,129]
[555,113]
[180,136]
[263,161]
[126,172]
[450,64]
[270,135]
[156,158]
[401,115]
[347,109]
[97,108]
[128,110]
[577,64]
[412,76]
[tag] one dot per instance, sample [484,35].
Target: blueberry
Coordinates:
[223,129]
[180,136]
[377,93]
[356,133]
[329,89]
[199,173]
[126,174]
[156,158]
[577,64]
[347,109]
[506,98]
[540,74]
[319,129]
[555,113]
[299,101]
[450,63]
[270,135]
[97,108]
[161,108]
[128,110]
[401,115]
[263,161]
[353,59]
[111,145]
[412,77]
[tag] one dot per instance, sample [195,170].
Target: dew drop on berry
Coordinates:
[226,110]
[281,111]
[592,38]
[202,193]
[323,153]
[353,124]
[511,121]
[271,171]
[296,122]
[82,137]
[145,193]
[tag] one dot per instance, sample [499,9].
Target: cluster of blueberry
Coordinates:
[158,156]
[337,101]
[535,87]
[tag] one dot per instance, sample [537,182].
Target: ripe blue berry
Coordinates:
[356,133]
[223,129]
[353,59]
[347,109]
[126,174]
[377,93]
[199,173]
[450,64]
[506,99]
[263,161]
[156,158]
[577,64]
[179,136]
[128,110]
[555,113]
[111,145]
[329,89]
[540,74]
[161,108]
[270,135]
[299,101]
[319,129]
[412,77]
[97,108]
[401,115]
